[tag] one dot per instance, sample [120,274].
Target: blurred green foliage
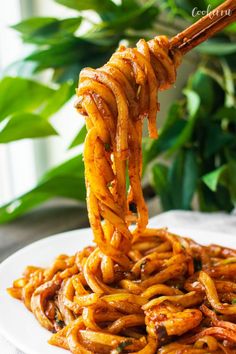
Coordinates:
[198,145]
[195,156]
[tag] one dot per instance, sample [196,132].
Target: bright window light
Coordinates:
[17,165]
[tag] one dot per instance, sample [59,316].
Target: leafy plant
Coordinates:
[197,141]
[26,106]
[65,180]
[198,146]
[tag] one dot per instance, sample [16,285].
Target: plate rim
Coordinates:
[41,241]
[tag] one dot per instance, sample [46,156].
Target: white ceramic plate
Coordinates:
[17,324]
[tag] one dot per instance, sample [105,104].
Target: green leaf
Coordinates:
[170,137]
[79,139]
[73,166]
[70,54]
[231,28]
[20,99]
[176,185]
[193,104]
[226,112]
[183,177]
[175,113]
[21,95]
[214,201]
[159,177]
[213,178]
[67,73]
[231,182]
[128,5]
[137,17]
[39,29]
[25,125]
[96,5]
[65,180]
[217,48]
[229,84]
[120,348]
[175,177]
[57,99]
[33,24]
[190,178]
[170,132]
[160,184]
[60,186]
[213,3]
[60,54]
[202,84]
[221,138]
[182,8]
[66,186]
[21,205]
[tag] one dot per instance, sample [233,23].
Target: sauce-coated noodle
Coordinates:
[139,290]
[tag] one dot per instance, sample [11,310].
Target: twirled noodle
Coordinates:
[139,290]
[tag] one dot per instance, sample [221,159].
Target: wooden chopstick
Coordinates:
[204,28]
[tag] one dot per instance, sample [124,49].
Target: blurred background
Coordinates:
[43,46]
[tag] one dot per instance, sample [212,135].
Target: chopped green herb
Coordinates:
[229,260]
[107,146]
[234,301]
[58,319]
[216,312]
[60,323]
[122,346]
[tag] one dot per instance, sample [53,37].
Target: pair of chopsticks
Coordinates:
[204,28]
